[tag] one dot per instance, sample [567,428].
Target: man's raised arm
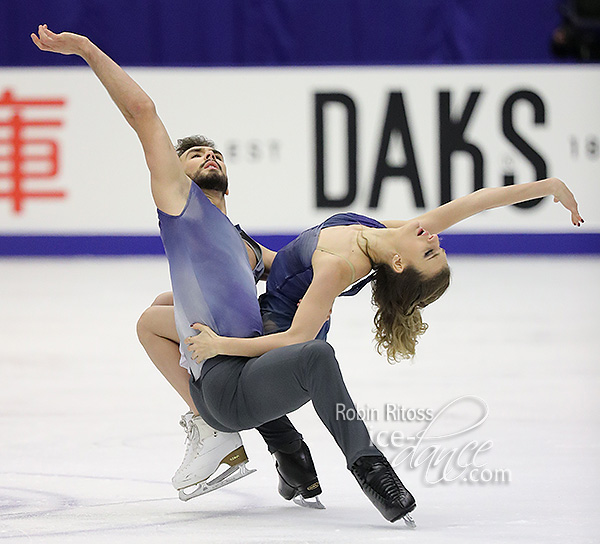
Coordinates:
[170,185]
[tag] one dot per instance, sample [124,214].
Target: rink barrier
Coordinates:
[579,243]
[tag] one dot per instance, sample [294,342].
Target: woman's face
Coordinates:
[419,249]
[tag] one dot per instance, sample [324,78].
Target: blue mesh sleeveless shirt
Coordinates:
[211,277]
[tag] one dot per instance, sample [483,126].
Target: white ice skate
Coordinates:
[206,450]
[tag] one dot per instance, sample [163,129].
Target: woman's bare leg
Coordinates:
[157,333]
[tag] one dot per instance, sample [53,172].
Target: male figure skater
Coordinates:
[171,179]
[206,447]
[213,285]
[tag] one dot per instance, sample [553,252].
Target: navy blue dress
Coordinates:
[292,273]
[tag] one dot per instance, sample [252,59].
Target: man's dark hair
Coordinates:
[183,144]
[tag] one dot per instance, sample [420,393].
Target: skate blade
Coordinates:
[410,522]
[231,475]
[301,501]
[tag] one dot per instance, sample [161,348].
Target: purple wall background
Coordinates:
[288,32]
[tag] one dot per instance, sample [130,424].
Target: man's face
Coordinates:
[206,168]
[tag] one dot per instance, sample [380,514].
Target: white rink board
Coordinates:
[264,121]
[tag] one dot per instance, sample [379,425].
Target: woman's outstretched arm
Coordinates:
[449,214]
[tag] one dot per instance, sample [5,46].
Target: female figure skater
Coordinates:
[403,260]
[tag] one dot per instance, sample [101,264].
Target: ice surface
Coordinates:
[90,437]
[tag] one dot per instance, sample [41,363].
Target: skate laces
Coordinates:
[382,479]
[192,434]
[389,483]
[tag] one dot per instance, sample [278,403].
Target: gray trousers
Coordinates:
[237,393]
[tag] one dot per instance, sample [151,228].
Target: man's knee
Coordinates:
[319,356]
[319,348]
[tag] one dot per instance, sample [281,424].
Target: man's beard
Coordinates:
[211,180]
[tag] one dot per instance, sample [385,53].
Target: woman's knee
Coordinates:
[164,299]
[157,321]
[144,325]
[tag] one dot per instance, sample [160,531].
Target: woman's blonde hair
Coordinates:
[399,299]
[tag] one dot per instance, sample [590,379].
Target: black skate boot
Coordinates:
[298,476]
[384,489]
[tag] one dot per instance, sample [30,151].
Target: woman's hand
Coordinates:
[205,344]
[565,197]
[65,43]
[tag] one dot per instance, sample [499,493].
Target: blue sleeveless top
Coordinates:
[259,268]
[292,273]
[210,273]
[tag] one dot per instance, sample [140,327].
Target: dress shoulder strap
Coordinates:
[325,250]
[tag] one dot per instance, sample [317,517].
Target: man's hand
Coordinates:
[205,344]
[565,197]
[65,43]
[170,185]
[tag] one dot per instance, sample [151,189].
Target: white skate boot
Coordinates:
[206,450]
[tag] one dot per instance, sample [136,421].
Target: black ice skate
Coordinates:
[384,489]
[298,477]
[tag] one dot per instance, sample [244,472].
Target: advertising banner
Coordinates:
[303,143]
